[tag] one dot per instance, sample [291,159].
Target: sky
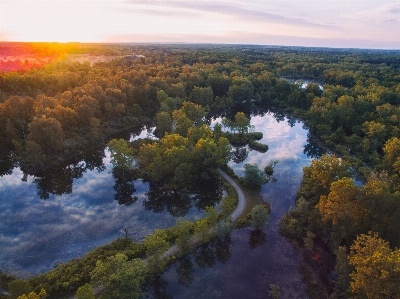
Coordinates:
[320,23]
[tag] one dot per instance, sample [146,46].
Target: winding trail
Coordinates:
[241,198]
[174,249]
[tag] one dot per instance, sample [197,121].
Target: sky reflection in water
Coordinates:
[252,261]
[36,234]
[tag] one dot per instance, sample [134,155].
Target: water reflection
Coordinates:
[257,238]
[239,154]
[58,180]
[252,260]
[200,195]
[86,206]
[312,150]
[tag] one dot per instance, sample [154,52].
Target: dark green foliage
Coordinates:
[19,287]
[260,215]
[85,292]
[122,278]
[259,147]
[69,276]
[253,177]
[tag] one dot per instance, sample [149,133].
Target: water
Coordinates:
[78,212]
[67,211]
[245,265]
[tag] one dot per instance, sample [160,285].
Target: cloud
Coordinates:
[226,8]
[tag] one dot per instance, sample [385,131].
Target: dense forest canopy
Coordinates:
[55,110]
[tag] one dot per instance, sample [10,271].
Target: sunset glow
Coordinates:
[334,23]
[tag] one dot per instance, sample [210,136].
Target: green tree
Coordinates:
[196,113]
[85,292]
[254,177]
[183,229]
[18,288]
[242,123]
[156,246]
[121,278]
[202,96]
[259,216]
[309,240]
[19,111]
[48,134]
[202,230]
[342,210]
[164,124]
[121,154]
[342,270]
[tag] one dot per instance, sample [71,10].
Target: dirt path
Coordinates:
[174,249]
[241,198]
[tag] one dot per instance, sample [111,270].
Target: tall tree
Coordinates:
[376,273]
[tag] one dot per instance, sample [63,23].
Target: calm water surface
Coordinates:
[244,265]
[39,229]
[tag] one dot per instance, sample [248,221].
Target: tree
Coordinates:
[202,230]
[48,134]
[183,229]
[254,177]
[176,161]
[181,123]
[122,278]
[259,216]
[121,154]
[376,273]
[196,113]
[156,246]
[309,240]
[242,123]
[32,295]
[202,96]
[18,288]
[19,112]
[164,124]
[342,210]
[342,270]
[85,292]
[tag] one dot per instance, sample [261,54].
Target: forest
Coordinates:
[349,200]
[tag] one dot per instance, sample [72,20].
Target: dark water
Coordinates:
[245,265]
[48,219]
[65,212]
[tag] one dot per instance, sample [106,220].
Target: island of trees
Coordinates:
[349,200]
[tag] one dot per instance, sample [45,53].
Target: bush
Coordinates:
[253,177]
[260,215]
